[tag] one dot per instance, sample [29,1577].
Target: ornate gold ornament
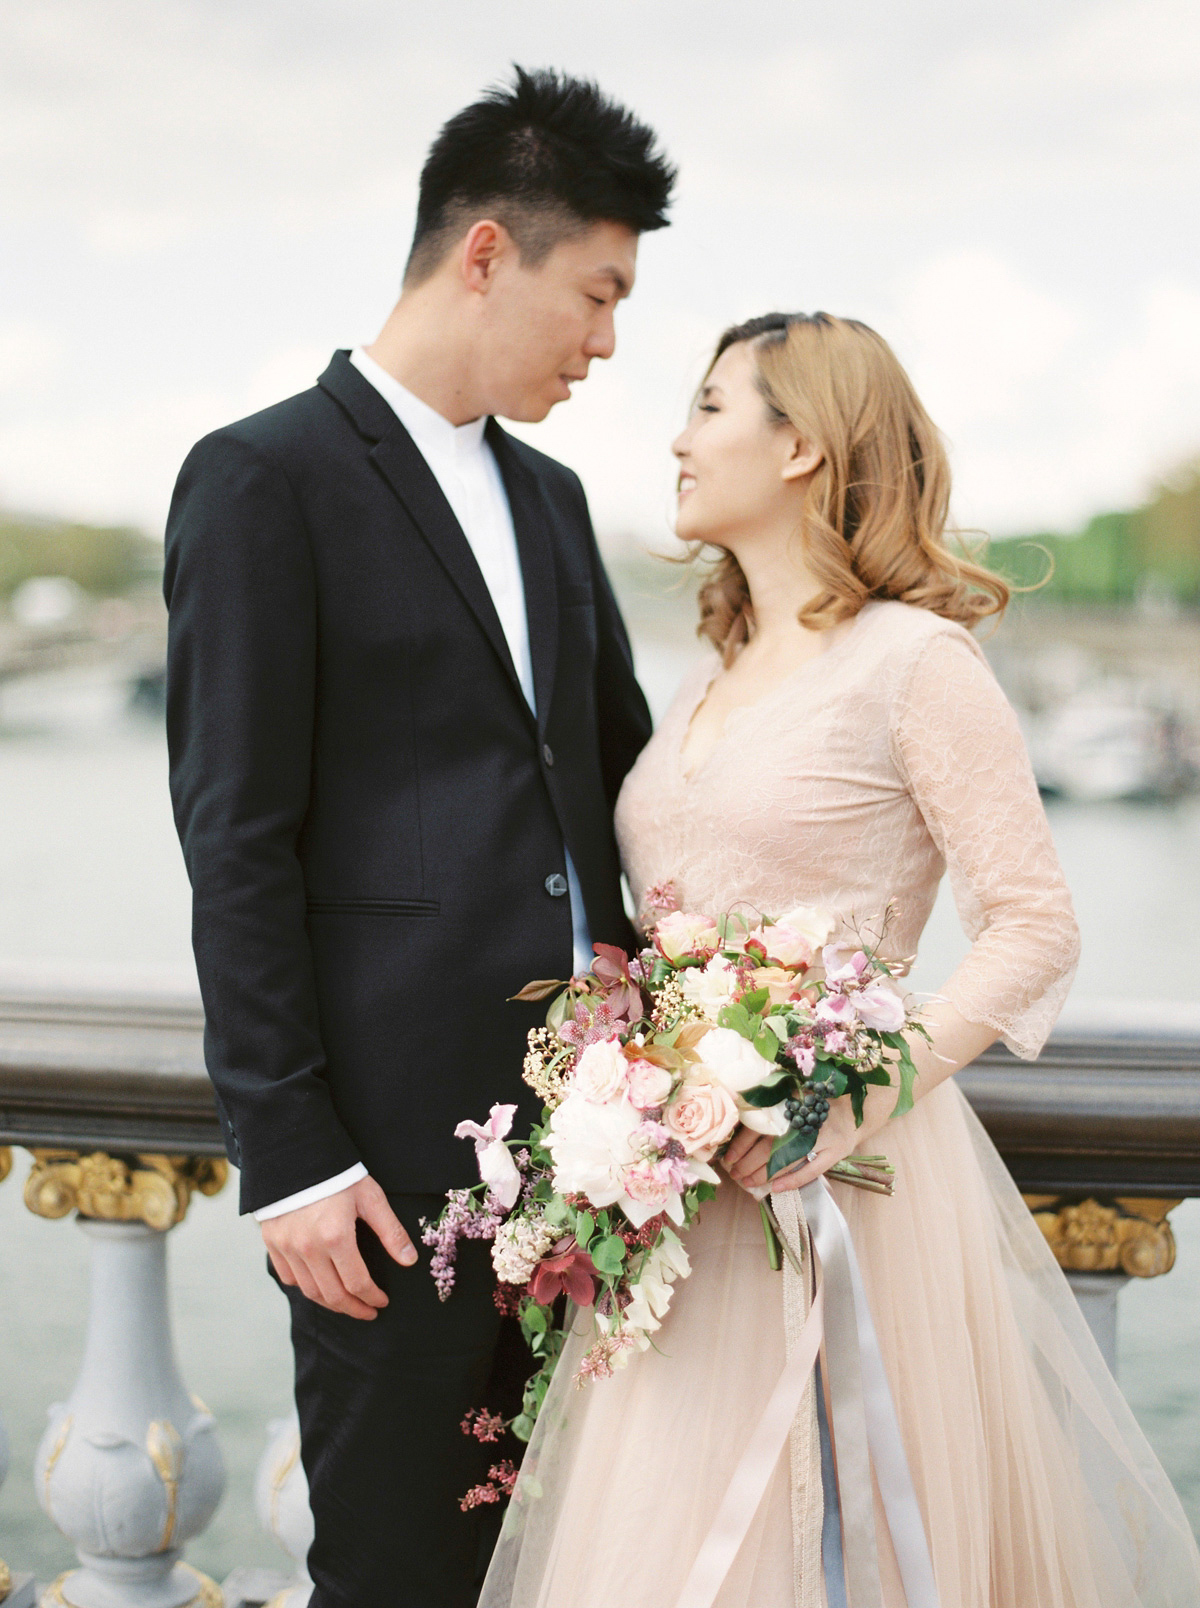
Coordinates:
[208,1592]
[147,1188]
[5,1169]
[5,1580]
[1127,1234]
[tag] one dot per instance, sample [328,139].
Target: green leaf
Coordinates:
[608,1254]
[764,1094]
[704,1191]
[560,1009]
[788,1149]
[522,1426]
[908,1076]
[533,1320]
[766,1044]
[585,1227]
[755,1001]
[558,1212]
[858,1093]
[737,1017]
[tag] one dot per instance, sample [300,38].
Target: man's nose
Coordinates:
[602,342]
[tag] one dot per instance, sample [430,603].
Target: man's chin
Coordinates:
[530,411]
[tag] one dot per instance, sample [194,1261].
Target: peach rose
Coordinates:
[778,983]
[701,1118]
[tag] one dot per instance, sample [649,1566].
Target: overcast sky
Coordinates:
[200,199]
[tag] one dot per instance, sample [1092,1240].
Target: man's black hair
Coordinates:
[545,156]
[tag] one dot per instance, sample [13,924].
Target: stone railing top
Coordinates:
[112,1061]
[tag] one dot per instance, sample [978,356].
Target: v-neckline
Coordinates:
[689,776]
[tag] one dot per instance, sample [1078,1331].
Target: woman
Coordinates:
[847,745]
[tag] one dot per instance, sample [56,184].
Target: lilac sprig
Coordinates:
[463,1218]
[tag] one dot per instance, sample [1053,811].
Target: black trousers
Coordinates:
[380,1405]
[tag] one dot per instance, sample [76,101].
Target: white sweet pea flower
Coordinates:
[880,1007]
[497,1168]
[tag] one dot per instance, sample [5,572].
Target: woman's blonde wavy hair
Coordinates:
[876,509]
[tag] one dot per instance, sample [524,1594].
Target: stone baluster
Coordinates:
[16,1590]
[129,1468]
[1101,1245]
[281,1499]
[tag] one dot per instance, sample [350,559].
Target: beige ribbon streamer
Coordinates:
[754,1470]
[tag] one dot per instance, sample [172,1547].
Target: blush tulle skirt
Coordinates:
[1036,1486]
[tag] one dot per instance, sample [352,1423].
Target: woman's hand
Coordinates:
[746,1158]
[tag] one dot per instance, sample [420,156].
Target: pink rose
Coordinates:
[679,934]
[647,1085]
[703,1117]
[647,1182]
[599,1073]
[787,945]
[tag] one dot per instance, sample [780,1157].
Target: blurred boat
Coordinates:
[1112,740]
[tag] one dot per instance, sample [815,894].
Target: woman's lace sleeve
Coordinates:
[956,740]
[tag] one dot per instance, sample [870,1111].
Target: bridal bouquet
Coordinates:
[646,1066]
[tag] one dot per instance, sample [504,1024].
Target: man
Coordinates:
[400,707]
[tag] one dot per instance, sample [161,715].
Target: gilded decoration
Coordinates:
[1125,1234]
[5,1169]
[165,1450]
[208,1592]
[5,1580]
[146,1188]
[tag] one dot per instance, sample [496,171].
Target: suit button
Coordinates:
[556,885]
[548,754]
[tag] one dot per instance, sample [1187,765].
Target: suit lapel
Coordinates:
[531,521]
[400,462]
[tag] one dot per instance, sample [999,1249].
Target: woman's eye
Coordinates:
[706,407]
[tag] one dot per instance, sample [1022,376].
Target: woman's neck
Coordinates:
[780,585]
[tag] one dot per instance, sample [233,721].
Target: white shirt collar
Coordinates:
[432,433]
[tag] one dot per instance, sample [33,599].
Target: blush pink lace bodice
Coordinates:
[888,759]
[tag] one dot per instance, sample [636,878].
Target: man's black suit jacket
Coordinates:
[373,820]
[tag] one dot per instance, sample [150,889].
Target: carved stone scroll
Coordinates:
[143,1188]
[1121,1234]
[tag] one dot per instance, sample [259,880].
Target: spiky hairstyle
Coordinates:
[545,156]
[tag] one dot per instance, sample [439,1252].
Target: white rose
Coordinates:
[766,1119]
[809,923]
[600,1072]
[710,988]
[733,1060]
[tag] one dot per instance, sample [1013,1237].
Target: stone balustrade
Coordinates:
[108,1093]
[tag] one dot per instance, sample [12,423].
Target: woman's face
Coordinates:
[739,470]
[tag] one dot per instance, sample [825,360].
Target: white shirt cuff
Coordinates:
[315,1192]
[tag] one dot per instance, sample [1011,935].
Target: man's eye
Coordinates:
[599,301]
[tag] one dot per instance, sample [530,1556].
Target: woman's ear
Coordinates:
[802,459]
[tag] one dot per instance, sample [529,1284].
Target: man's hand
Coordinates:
[315,1247]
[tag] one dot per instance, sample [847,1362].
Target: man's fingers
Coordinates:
[282,1267]
[356,1280]
[374,1210]
[332,1293]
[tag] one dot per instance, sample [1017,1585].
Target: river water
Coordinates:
[91,878]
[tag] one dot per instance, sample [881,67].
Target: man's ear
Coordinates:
[484,246]
[802,459]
